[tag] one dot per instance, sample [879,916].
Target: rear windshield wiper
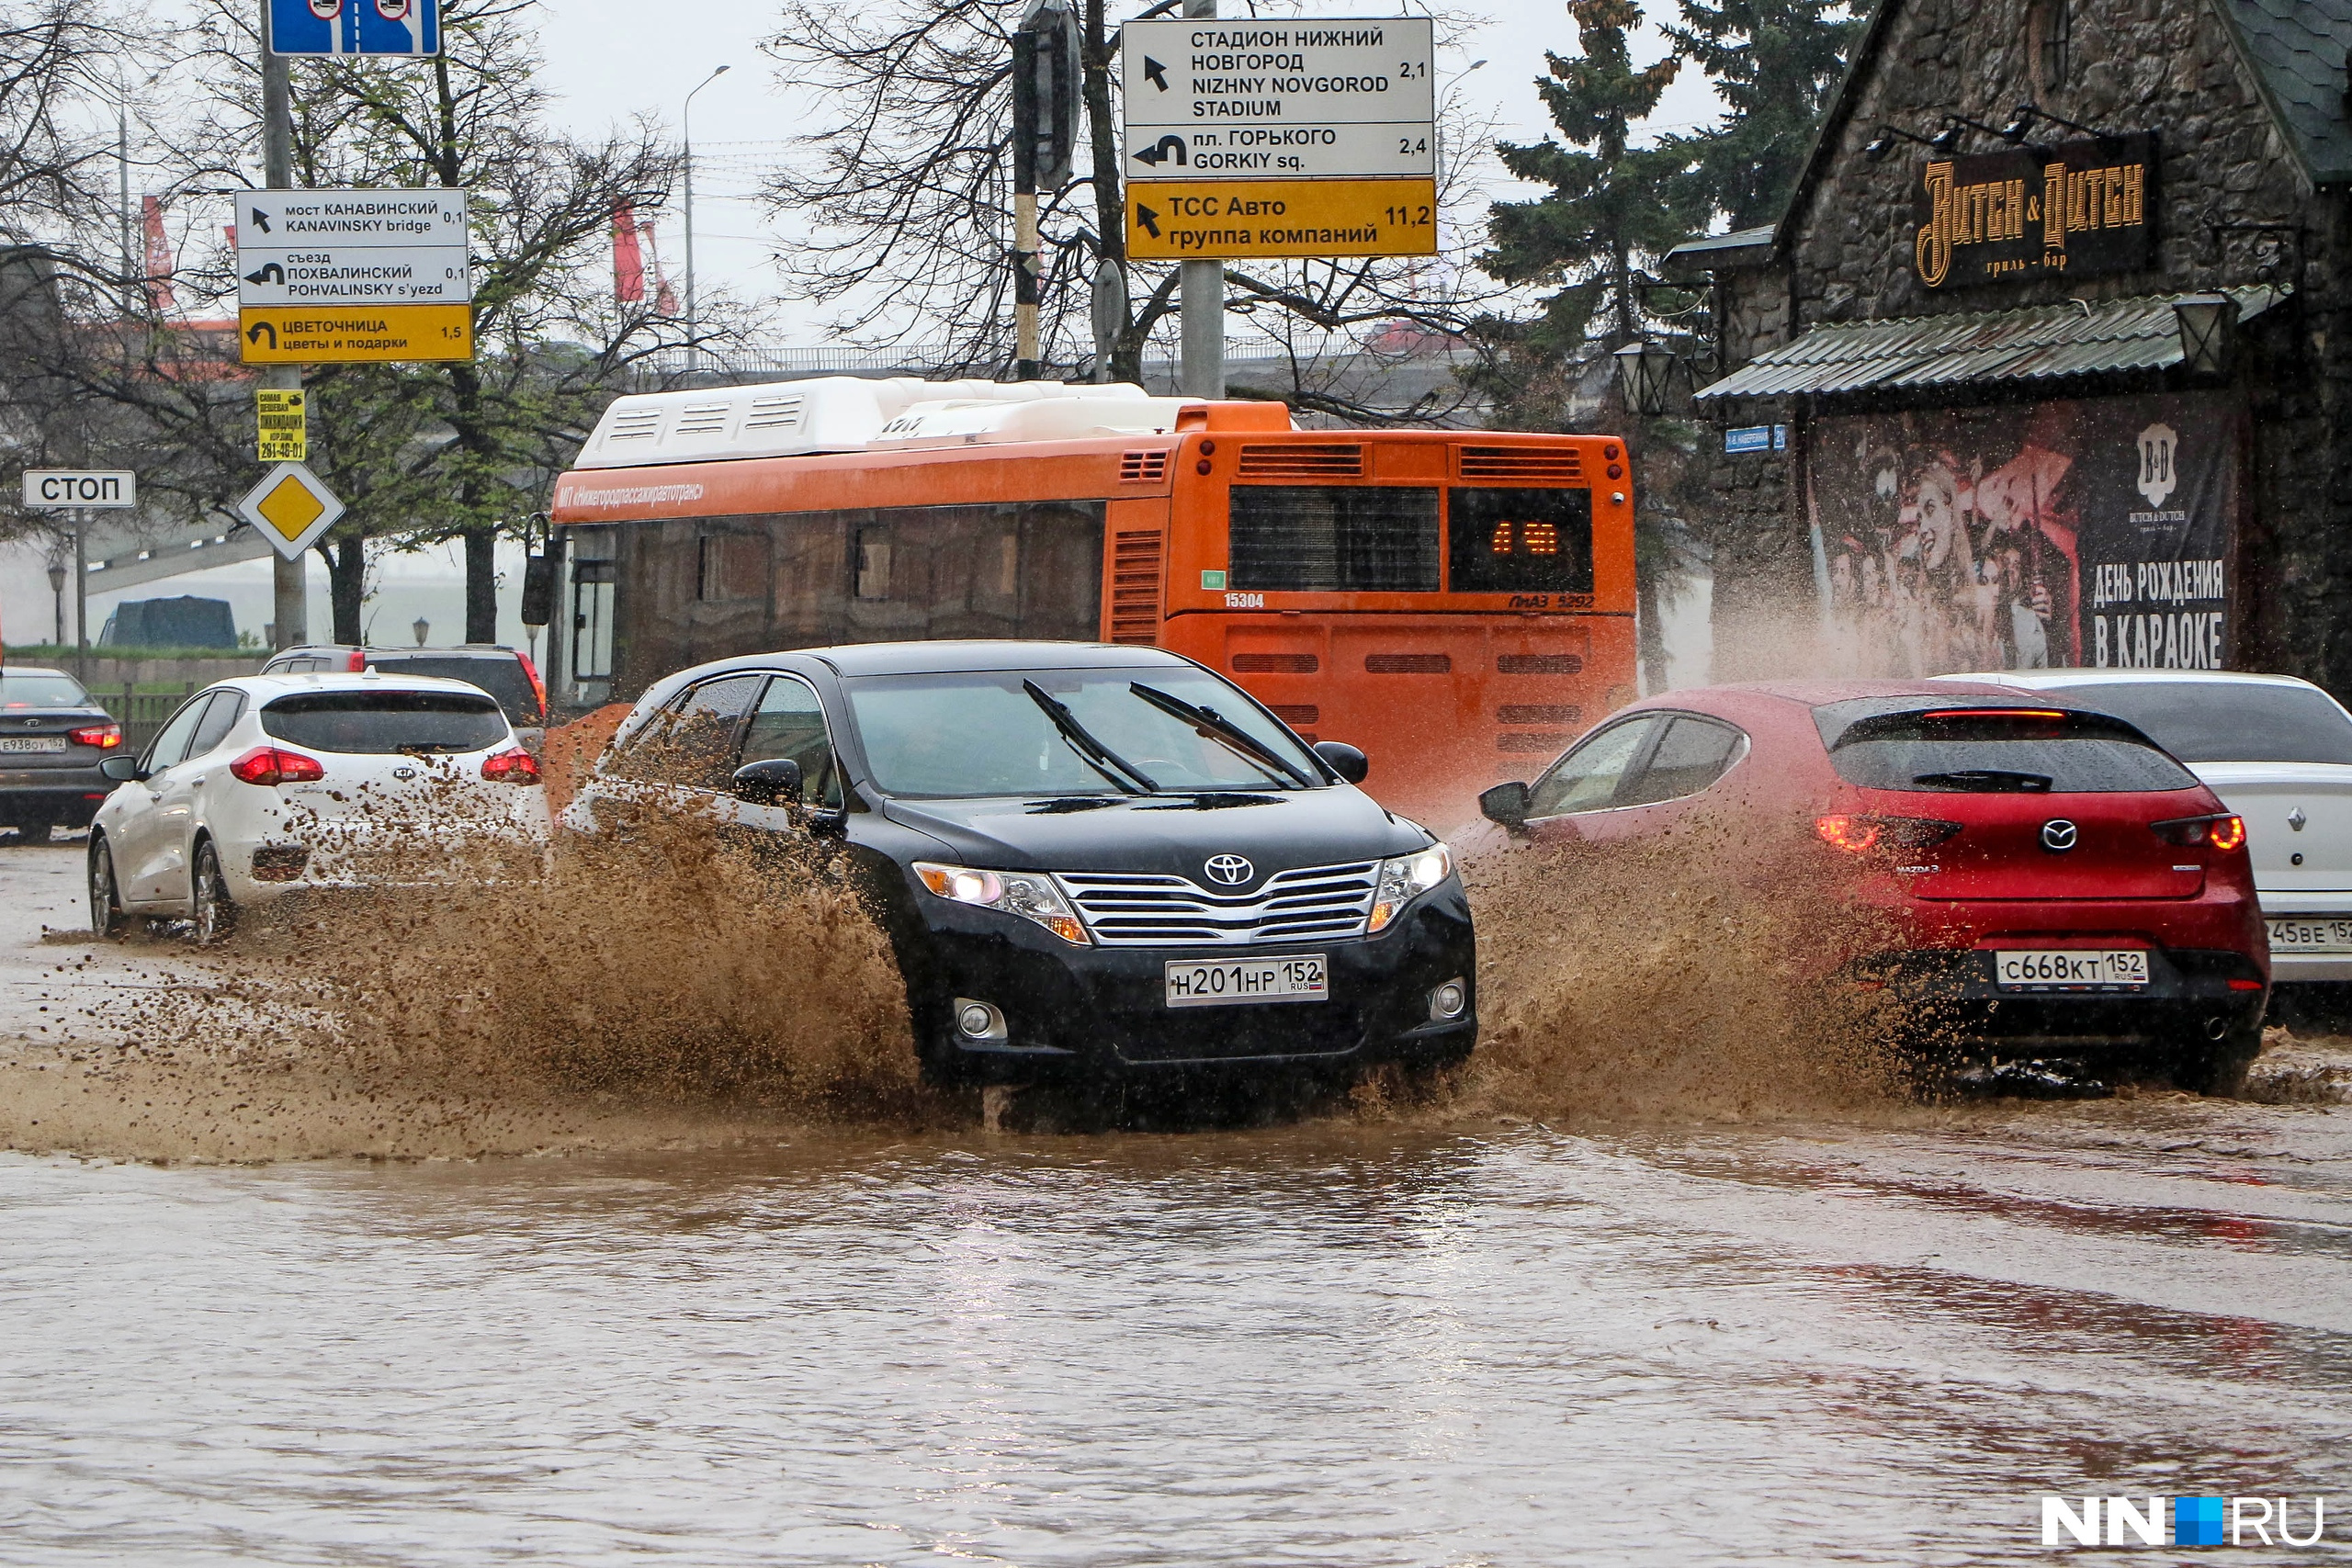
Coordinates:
[1101,758]
[1223,729]
[1991,779]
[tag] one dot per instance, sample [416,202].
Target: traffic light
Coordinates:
[1048,107]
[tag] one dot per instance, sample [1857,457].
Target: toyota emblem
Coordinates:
[2058,835]
[1231,871]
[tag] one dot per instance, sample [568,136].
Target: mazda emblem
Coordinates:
[2058,835]
[1231,871]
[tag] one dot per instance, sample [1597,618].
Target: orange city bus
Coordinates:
[1457,603]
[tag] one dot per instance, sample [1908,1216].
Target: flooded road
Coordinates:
[1438,1341]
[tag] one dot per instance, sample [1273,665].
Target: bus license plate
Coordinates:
[33,743]
[2311,933]
[2032,969]
[1206,983]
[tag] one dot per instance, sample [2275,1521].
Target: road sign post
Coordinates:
[1279,137]
[342,276]
[81,491]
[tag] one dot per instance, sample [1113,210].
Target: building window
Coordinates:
[2050,29]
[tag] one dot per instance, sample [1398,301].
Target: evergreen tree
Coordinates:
[1613,206]
[1775,64]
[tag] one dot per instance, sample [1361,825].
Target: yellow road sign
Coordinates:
[307,334]
[284,434]
[291,509]
[1207,220]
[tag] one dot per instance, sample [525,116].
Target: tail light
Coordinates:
[359,661]
[270,765]
[2224,832]
[105,737]
[511,767]
[1859,835]
[537,685]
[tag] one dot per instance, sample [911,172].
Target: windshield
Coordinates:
[502,677]
[384,722]
[2228,721]
[26,691]
[2001,752]
[974,734]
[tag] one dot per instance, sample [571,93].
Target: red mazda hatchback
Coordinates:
[2044,878]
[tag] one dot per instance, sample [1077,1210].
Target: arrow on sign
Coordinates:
[270,272]
[1156,73]
[253,333]
[1148,218]
[1159,152]
[261,220]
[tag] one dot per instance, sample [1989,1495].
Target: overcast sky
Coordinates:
[607,64]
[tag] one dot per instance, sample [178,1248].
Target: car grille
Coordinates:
[1123,910]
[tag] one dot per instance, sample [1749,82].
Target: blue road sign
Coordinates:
[354,27]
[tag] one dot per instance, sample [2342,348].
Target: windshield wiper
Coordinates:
[1101,758]
[1991,779]
[1223,729]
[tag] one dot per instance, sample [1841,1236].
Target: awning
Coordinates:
[2035,343]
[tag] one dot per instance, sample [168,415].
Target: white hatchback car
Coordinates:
[2278,752]
[265,784]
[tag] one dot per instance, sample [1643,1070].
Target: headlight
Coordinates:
[1405,878]
[1030,895]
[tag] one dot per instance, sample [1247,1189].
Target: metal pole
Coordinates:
[686,134]
[1025,204]
[289,579]
[1201,292]
[130,270]
[81,596]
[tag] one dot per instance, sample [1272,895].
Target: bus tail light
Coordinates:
[271,765]
[537,686]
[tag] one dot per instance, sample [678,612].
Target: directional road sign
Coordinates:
[291,509]
[1279,100]
[282,422]
[354,27]
[1208,220]
[55,489]
[279,334]
[326,276]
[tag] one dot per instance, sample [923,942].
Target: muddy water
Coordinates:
[1544,1320]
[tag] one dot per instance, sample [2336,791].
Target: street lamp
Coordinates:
[422,628]
[686,129]
[2206,322]
[1643,368]
[57,594]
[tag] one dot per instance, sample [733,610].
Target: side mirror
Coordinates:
[773,782]
[1506,804]
[1344,759]
[121,768]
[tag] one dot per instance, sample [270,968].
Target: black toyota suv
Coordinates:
[1088,858]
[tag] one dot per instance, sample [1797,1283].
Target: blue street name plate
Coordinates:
[1755,438]
[398,28]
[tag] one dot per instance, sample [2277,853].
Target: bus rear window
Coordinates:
[1522,541]
[1333,538]
[1997,752]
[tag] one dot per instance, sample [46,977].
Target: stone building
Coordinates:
[2046,361]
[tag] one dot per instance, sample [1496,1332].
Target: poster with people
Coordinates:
[2096,532]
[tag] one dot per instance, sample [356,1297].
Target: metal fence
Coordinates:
[140,714]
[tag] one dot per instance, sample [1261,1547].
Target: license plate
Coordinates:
[32,743]
[1209,982]
[2067,968]
[2311,933]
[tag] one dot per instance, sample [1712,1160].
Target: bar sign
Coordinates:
[283,425]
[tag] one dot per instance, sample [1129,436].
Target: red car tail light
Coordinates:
[105,737]
[2224,832]
[1859,835]
[359,661]
[511,767]
[270,765]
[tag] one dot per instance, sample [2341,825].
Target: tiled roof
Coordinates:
[2297,48]
[2033,343]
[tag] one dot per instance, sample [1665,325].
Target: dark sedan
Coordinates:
[1086,858]
[52,738]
